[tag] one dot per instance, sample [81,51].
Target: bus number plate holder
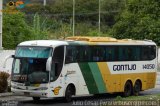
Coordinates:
[26,93]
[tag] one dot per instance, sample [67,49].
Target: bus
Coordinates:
[80,66]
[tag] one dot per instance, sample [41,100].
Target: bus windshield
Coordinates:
[33,52]
[30,70]
[29,65]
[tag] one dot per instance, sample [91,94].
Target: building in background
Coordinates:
[3,55]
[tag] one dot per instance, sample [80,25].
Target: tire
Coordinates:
[68,94]
[127,89]
[136,88]
[36,98]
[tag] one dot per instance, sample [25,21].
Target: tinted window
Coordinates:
[98,53]
[148,52]
[102,53]
[111,53]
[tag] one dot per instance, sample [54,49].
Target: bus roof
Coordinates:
[50,43]
[109,40]
[79,40]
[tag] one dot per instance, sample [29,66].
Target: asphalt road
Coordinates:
[77,101]
[92,100]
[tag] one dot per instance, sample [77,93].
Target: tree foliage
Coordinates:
[59,13]
[135,19]
[85,10]
[15,30]
[39,28]
[140,20]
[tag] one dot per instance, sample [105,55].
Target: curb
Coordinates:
[6,94]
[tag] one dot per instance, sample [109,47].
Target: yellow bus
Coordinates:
[83,65]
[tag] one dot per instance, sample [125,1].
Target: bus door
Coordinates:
[56,68]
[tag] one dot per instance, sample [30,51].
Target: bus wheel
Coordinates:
[68,94]
[36,98]
[137,88]
[127,89]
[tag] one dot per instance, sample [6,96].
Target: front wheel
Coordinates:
[68,94]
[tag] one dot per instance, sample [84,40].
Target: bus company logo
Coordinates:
[15,6]
[56,90]
[19,4]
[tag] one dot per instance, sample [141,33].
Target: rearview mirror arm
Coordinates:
[6,58]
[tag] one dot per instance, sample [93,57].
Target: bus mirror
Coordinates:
[13,56]
[6,58]
[48,64]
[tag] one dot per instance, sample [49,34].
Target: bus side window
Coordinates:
[70,54]
[78,54]
[152,50]
[98,53]
[84,53]
[136,53]
[110,54]
[102,53]
[122,53]
[126,53]
[57,62]
[144,53]
[95,54]
[130,56]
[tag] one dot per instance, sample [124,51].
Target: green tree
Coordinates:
[39,29]
[86,14]
[15,30]
[140,20]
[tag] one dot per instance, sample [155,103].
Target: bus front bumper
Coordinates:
[30,93]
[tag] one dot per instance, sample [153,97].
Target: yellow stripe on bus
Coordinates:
[116,82]
[104,72]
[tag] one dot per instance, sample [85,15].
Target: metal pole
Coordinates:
[1,4]
[99,17]
[73,17]
[44,2]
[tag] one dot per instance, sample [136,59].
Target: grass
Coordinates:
[143,97]
[143,100]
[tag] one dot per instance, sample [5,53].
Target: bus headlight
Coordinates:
[14,87]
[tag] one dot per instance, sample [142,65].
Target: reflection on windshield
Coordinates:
[34,52]
[34,68]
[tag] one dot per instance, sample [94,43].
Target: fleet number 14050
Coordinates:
[149,66]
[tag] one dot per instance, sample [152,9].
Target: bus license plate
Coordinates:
[26,93]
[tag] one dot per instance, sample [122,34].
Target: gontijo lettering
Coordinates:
[124,67]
